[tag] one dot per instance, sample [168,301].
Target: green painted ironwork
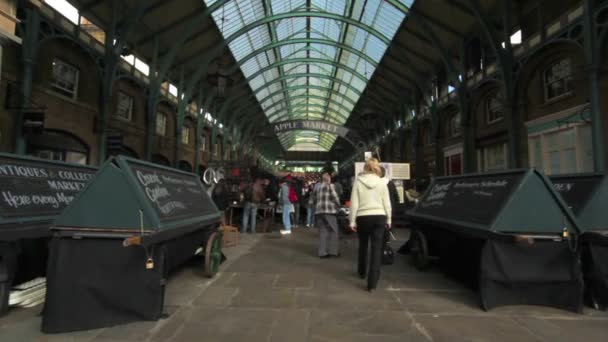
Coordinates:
[247,15]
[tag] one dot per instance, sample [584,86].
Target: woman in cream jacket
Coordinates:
[370,215]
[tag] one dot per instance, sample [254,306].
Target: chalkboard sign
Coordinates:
[38,188]
[474,199]
[576,190]
[173,194]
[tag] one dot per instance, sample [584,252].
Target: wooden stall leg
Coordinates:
[420,250]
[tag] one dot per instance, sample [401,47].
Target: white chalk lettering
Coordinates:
[148,178]
[16,201]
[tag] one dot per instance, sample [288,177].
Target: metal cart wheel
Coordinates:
[213,254]
[420,250]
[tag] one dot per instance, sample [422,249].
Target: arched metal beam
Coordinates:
[304,14]
[303,61]
[298,87]
[311,105]
[287,99]
[320,113]
[315,75]
[295,41]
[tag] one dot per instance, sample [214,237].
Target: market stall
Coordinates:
[114,246]
[509,234]
[587,196]
[32,193]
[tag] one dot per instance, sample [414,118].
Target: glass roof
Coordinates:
[309,59]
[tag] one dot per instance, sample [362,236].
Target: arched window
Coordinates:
[58,145]
[161,124]
[186,134]
[160,159]
[557,79]
[494,109]
[184,166]
[455,125]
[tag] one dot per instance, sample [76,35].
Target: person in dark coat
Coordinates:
[221,198]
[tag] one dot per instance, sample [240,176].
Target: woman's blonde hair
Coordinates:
[372,165]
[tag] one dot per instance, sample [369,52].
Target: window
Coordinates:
[494,110]
[455,125]
[65,79]
[558,79]
[515,39]
[492,158]
[124,106]
[216,150]
[185,135]
[453,160]
[203,143]
[161,124]
[65,156]
[562,151]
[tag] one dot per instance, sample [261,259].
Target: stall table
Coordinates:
[509,234]
[264,216]
[32,193]
[114,246]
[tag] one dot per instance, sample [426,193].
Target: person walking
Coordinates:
[221,198]
[253,195]
[298,188]
[286,203]
[326,203]
[370,216]
[310,210]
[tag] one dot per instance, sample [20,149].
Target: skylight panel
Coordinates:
[333,104]
[328,27]
[375,48]
[331,6]
[286,5]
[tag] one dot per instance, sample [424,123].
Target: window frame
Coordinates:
[131,106]
[164,131]
[482,157]
[186,134]
[458,132]
[58,88]
[568,79]
[489,109]
[579,150]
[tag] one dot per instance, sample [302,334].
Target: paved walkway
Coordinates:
[277,289]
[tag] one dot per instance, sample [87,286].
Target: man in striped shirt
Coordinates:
[326,202]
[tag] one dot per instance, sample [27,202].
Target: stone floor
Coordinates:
[275,288]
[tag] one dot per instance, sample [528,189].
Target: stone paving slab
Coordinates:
[275,288]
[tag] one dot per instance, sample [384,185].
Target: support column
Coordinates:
[418,153]
[200,122]
[29,55]
[110,64]
[153,95]
[436,136]
[182,102]
[592,57]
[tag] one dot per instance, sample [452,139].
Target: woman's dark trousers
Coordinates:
[371,232]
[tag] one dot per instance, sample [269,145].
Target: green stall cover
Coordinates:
[34,191]
[587,196]
[130,196]
[509,202]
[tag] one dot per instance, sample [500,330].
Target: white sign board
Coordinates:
[393,170]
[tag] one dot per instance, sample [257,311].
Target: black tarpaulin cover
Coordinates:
[102,283]
[545,273]
[596,273]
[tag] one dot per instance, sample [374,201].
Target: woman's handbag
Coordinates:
[388,255]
